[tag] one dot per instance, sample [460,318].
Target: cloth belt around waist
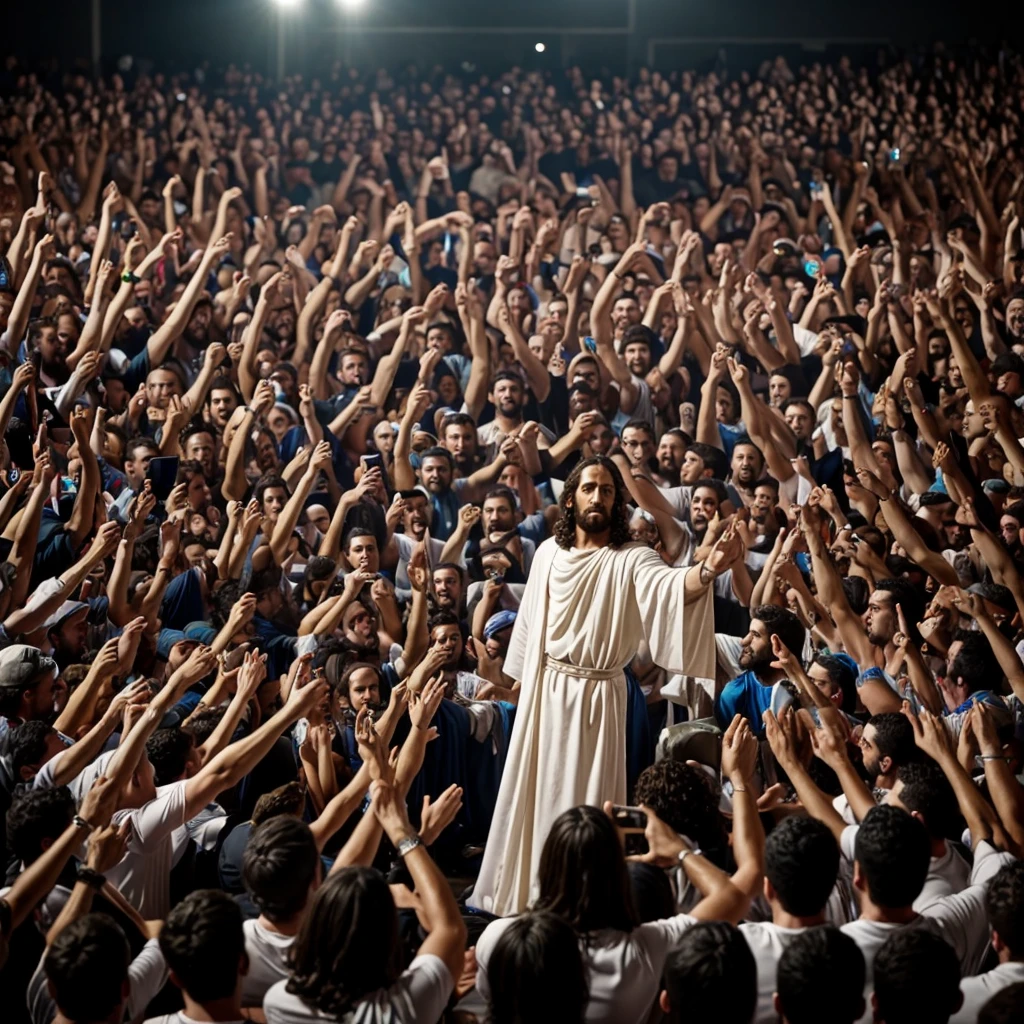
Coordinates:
[581,671]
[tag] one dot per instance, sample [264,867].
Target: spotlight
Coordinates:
[349,5]
[288,3]
[540,47]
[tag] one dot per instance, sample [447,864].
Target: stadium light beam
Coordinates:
[350,5]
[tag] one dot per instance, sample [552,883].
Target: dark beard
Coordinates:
[594,525]
[756,665]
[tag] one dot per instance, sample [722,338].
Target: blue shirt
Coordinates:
[745,695]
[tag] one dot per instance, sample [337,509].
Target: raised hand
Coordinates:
[436,816]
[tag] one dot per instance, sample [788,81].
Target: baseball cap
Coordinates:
[996,594]
[63,613]
[497,622]
[22,666]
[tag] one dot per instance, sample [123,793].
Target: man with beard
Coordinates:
[199,444]
[222,400]
[670,454]
[592,598]
[449,592]
[880,618]
[750,694]
[508,395]
[48,353]
[458,435]
[1015,319]
[886,745]
[447,495]
[66,631]
[746,468]
[188,350]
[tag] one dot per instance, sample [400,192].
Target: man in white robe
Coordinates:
[592,598]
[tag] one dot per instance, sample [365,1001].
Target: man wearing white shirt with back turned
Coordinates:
[890,863]
[281,869]
[801,860]
[1004,903]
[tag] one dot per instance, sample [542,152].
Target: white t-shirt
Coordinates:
[418,997]
[158,834]
[947,874]
[623,968]
[147,974]
[268,961]
[960,919]
[767,942]
[182,1018]
[977,991]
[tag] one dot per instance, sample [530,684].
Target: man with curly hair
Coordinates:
[592,598]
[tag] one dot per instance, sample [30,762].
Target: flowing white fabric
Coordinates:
[582,618]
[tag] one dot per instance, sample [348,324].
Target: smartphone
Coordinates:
[894,155]
[811,267]
[590,345]
[13,476]
[162,473]
[631,822]
[582,192]
[629,819]
[371,462]
[497,577]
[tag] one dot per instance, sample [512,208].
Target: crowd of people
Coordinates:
[296,379]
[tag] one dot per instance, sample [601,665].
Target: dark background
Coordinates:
[389,32]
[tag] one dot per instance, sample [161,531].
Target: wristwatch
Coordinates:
[685,852]
[90,877]
[79,822]
[408,844]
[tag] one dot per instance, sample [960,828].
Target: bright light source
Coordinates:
[349,5]
[288,3]
[540,47]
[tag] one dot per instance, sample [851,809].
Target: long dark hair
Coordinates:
[565,529]
[583,877]
[536,972]
[348,945]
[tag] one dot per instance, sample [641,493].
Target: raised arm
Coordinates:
[160,342]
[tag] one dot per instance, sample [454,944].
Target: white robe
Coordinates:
[589,609]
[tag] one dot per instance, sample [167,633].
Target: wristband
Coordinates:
[91,878]
[335,282]
[994,757]
[129,278]
[407,845]
[79,822]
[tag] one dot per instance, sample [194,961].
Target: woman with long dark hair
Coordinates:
[345,960]
[536,973]
[584,882]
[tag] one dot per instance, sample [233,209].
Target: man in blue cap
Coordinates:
[497,633]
